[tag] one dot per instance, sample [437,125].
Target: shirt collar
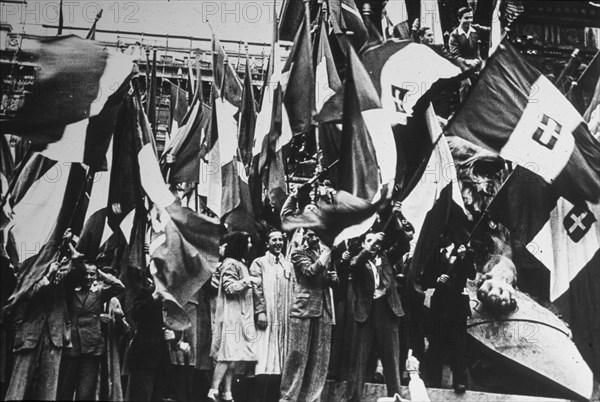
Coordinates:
[462,32]
[273,258]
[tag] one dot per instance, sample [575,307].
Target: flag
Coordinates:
[191,81]
[271,135]
[403,72]
[430,17]
[537,127]
[328,86]
[186,251]
[225,77]
[347,22]
[181,160]
[556,249]
[433,202]
[582,91]
[179,106]
[73,99]
[55,202]
[228,185]
[298,80]
[592,114]
[496,31]
[367,150]
[247,120]
[394,20]
[330,217]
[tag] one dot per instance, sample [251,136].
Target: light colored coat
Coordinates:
[273,296]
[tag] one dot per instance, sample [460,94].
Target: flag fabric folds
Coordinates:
[556,248]
[298,80]
[247,121]
[73,99]
[403,72]
[225,77]
[54,205]
[394,20]
[271,135]
[367,150]
[537,127]
[185,248]
[433,203]
[328,86]
[348,23]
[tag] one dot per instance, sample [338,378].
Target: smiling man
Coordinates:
[272,301]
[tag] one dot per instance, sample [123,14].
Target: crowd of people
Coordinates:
[271,328]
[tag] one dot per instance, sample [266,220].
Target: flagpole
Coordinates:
[92,32]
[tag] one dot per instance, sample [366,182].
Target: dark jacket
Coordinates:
[148,349]
[448,299]
[85,307]
[45,304]
[363,283]
[464,47]
[312,297]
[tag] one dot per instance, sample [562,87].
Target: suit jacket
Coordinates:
[312,297]
[85,307]
[363,283]
[148,348]
[464,47]
[45,304]
[448,300]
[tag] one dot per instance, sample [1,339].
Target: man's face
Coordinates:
[427,38]
[311,238]
[91,274]
[372,243]
[275,243]
[466,19]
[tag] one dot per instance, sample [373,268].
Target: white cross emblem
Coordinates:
[547,132]
[578,222]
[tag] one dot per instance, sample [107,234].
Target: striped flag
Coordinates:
[298,80]
[185,249]
[53,203]
[434,201]
[537,127]
[70,110]
[271,135]
[556,248]
[403,72]
[247,120]
[394,20]
[225,77]
[346,21]
[328,86]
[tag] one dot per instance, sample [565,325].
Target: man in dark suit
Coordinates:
[450,309]
[311,319]
[42,330]
[464,46]
[377,311]
[85,303]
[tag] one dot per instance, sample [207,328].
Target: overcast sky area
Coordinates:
[238,20]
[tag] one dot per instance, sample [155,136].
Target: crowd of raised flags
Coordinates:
[87,126]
